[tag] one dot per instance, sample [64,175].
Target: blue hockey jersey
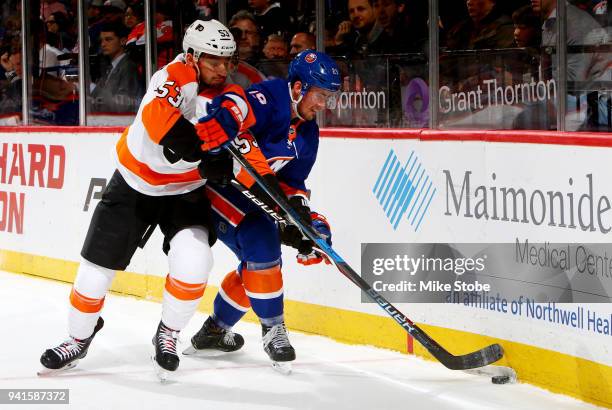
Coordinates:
[290,148]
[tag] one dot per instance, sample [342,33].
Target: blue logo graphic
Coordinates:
[404,191]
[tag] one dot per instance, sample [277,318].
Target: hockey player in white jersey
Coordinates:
[161,169]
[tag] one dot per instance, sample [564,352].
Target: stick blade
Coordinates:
[479,358]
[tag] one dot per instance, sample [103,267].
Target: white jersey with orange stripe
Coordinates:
[139,156]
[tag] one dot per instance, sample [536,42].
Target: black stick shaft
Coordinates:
[478,358]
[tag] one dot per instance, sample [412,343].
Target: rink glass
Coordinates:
[418,64]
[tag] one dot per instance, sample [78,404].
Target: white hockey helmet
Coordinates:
[209,37]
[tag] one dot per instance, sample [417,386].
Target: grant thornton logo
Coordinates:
[404,192]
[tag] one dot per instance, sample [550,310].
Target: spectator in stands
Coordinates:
[302,41]
[94,12]
[58,26]
[11,83]
[583,67]
[118,4]
[134,46]
[165,33]
[16,68]
[524,64]
[274,63]
[50,50]
[54,99]
[54,21]
[527,27]
[111,11]
[583,30]
[486,28]
[134,16]
[359,32]
[94,16]
[397,36]
[275,47]
[11,23]
[119,88]
[244,28]
[48,7]
[270,17]
[206,8]
[134,21]
[329,34]
[5,65]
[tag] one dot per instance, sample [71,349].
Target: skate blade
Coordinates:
[49,372]
[192,351]
[283,368]
[162,374]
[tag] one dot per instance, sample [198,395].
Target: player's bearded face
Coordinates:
[213,69]
[314,101]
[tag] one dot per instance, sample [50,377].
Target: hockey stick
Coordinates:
[479,358]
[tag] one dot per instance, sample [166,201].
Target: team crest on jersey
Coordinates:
[291,135]
[310,57]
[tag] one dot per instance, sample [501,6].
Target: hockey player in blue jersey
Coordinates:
[282,145]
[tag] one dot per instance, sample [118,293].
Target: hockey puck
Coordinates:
[500,379]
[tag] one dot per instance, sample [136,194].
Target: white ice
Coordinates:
[117,373]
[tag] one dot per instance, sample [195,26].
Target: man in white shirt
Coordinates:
[582,67]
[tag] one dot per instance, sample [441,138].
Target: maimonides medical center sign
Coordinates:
[580,205]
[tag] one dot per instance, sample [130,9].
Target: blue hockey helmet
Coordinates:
[314,69]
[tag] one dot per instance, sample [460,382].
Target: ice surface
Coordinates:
[117,373]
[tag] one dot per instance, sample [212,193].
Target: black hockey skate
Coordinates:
[213,337]
[165,359]
[67,355]
[276,344]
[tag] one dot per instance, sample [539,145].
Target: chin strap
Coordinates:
[294,103]
[194,65]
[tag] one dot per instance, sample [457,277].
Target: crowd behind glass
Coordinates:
[497,60]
